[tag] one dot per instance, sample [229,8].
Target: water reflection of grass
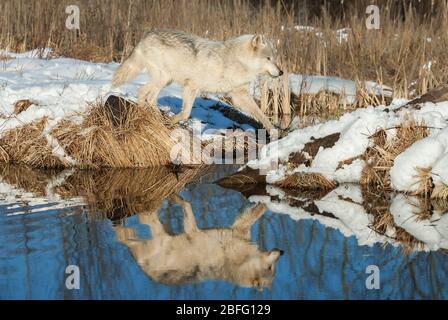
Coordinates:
[114,193]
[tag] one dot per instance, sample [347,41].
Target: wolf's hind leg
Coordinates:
[247,218]
[190,225]
[150,91]
[188,97]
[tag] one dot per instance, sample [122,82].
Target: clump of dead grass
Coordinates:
[425,184]
[380,157]
[306,181]
[140,137]
[440,191]
[27,145]
[117,134]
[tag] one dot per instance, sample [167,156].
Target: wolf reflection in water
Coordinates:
[197,254]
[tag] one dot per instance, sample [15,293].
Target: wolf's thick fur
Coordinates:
[198,255]
[200,65]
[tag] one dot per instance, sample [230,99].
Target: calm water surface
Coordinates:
[129,243]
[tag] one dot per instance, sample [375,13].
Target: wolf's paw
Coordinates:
[177,118]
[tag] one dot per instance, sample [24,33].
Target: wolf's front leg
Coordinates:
[242,100]
[188,97]
[151,219]
[127,236]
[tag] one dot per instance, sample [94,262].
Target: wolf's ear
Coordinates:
[258,41]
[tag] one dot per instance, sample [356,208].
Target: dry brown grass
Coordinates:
[380,157]
[275,101]
[396,55]
[141,138]
[130,136]
[26,145]
[306,181]
[425,185]
[440,192]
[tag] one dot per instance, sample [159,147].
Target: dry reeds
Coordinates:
[380,157]
[407,52]
[281,104]
[440,191]
[275,101]
[425,185]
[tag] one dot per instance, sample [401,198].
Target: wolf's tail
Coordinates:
[128,70]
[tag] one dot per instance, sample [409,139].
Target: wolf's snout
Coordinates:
[280,251]
[280,73]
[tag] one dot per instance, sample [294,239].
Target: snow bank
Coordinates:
[355,130]
[422,154]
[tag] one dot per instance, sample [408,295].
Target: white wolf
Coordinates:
[200,65]
[198,255]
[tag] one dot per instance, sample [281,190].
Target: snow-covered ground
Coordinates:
[355,128]
[63,87]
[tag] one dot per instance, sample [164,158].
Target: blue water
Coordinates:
[318,262]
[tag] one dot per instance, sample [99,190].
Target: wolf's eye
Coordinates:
[269,58]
